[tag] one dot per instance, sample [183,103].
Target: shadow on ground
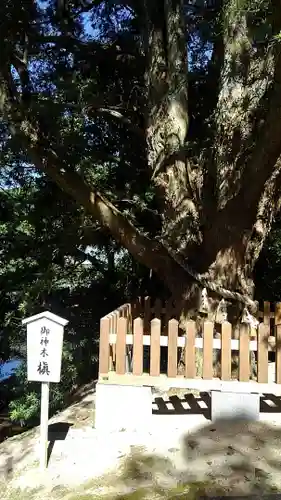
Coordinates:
[227,458]
[190,404]
[56,432]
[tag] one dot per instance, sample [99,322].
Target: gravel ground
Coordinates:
[240,457]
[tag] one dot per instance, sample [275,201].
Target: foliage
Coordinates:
[25,396]
[45,267]
[258,14]
[268,268]
[25,408]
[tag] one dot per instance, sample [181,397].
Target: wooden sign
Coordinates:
[44,353]
[44,346]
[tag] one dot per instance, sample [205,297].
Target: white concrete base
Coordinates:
[235,405]
[122,407]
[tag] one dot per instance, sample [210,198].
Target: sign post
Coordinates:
[44,417]
[44,353]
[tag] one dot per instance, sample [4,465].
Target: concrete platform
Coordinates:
[122,407]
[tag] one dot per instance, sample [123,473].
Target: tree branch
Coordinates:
[150,253]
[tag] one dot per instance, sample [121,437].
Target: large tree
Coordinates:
[176,155]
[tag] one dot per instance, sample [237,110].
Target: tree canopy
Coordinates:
[160,119]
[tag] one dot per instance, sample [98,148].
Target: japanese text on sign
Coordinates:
[43,366]
[44,347]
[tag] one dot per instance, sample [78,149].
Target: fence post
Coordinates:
[104,347]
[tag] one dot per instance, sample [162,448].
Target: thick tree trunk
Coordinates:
[228,269]
[219,240]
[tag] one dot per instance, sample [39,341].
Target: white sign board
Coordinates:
[44,351]
[44,347]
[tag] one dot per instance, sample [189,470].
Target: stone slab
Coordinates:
[235,405]
[122,407]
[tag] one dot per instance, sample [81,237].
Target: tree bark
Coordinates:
[215,218]
[167,121]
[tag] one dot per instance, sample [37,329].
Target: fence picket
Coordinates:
[244,353]
[263,334]
[138,347]
[121,346]
[173,348]
[155,347]
[208,335]
[189,358]
[226,351]
[115,326]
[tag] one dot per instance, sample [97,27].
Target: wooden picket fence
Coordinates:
[129,330]
[148,309]
[269,313]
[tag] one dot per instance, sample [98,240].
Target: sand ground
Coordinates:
[240,456]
